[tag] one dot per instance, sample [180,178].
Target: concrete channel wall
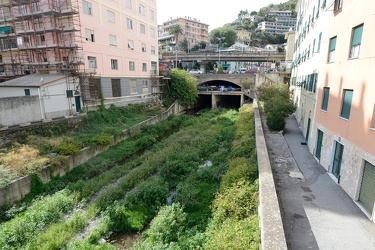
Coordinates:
[19,188]
[271,225]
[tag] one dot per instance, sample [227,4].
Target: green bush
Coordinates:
[239,169]
[123,219]
[68,147]
[102,139]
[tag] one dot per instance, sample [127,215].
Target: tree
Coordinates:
[184,45]
[182,87]
[176,31]
[277,104]
[225,36]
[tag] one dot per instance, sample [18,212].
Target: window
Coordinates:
[112,40]
[90,35]
[373,118]
[87,7]
[129,23]
[143,46]
[131,44]
[346,103]
[319,41]
[111,16]
[338,4]
[153,50]
[325,98]
[152,32]
[332,48]
[128,3]
[27,92]
[141,9]
[69,93]
[92,62]
[114,64]
[131,66]
[116,87]
[144,67]
[356,41]
[313,48]
[142,28]
[152,15]
[154,68]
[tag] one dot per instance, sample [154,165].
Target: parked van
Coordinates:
[243,70]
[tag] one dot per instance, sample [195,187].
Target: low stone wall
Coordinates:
[19,188]
[271,225]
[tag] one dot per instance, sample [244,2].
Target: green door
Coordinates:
[308,129]
[337,160]
[367,192]
[78,103]
[319,142]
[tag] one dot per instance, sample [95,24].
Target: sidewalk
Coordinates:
[316,212]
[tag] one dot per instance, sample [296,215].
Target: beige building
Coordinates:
[243,36]
[193,30]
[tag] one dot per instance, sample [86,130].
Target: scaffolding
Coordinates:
[40,36]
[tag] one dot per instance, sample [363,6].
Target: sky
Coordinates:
[215,13]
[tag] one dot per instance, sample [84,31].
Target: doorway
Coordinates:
[337,158]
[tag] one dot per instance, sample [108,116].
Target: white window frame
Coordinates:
[131,66]
[111,16]
[90,35]
[87,7]
[92,62]
[153,50]
[129,23]
[142,28]
[128,3]
[114,64]
[152,32]
[131,44]
[152,14]
[141,9]
[144,67]
[143,47]
[112,40]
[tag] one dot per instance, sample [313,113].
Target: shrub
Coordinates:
[68,147]
[239,169]
[123,219]
[102,139]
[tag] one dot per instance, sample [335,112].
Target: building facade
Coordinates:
[108,47]
[193,30]
[284,22]
[341,135]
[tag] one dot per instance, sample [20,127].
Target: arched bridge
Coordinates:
[221,86]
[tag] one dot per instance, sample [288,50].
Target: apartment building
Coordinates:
[244,36]
[193,30]
[107,47]
[282,24]
[341,134]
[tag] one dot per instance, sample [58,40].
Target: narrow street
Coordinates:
[316,212]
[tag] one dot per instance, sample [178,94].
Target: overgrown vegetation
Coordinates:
[277,104]
[208,210]
[35,148]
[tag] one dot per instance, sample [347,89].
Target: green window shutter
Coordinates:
[324,4]
[357,35]
[346,103]
[332,44]
[320,39]
[317,13]
[69,93]
[27,91]
[325,98]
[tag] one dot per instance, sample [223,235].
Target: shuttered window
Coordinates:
[325,98]
[356,41]
[27,92]
[116,87]
[332,48]
[346,103]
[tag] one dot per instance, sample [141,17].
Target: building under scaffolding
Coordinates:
[39,36]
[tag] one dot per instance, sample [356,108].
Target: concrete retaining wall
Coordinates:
[19,188]
[271,225]
[27,109]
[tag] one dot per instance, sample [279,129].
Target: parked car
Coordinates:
[243,70]
[204,87]
[230,88]
[251,71]
[223,88]
[196,71]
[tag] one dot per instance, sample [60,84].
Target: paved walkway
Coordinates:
[317,213]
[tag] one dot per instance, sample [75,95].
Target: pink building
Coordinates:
[344,131]
[108,47]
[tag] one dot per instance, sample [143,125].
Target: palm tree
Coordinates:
[176,30]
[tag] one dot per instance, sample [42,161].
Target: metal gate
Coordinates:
[367,192]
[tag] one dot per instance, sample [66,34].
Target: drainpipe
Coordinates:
[41,105]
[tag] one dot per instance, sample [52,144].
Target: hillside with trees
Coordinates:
[243,22]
